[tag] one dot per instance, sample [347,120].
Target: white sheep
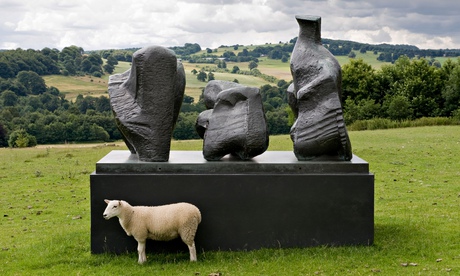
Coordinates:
[161,223]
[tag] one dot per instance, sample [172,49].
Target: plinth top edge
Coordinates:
[122,161]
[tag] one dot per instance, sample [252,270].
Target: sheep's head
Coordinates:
[113,208]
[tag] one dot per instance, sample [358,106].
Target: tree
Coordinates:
[32,82]
[108,68]
[194,72]
[359,81]
[451,92]
[210,76]
[418,81]
[399,108]
[188,99]
[5,70]
[185,126]
[222,64]
[112,60]
[86,65]
[3,136]
[21,139]
[235,69]
[202,76]
[9,98]
[252,65]
[352,54]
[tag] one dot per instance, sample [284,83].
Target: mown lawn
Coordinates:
[45,214]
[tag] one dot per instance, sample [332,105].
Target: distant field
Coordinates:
[72,86]
[194,87]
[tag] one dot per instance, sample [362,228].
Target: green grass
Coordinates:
[45,208]
[72,86]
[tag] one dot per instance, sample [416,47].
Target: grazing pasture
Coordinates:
[45,214]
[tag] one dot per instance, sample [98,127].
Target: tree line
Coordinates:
[406,90]
[31,112]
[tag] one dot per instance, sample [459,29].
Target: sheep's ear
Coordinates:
[106,201]
[119,202]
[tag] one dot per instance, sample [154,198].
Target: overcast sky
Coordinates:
[117,24]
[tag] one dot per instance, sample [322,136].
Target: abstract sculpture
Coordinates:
[315,97]
[236,123]
[146,101]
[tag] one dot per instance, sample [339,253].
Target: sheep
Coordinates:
[161,223]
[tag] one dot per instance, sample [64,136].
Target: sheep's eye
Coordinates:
[114,207]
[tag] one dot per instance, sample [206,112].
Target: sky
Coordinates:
[117,24]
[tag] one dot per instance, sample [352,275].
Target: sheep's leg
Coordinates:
[141,252]
[192,250]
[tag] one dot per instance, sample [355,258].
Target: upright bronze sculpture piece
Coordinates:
[146,101]
[315,97]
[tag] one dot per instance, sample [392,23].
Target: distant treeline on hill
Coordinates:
[386,52]
[31,112]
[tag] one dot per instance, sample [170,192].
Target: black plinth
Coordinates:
[271,201]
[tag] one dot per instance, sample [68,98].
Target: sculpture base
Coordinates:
[270,201]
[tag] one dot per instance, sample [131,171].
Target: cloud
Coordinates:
[107,24]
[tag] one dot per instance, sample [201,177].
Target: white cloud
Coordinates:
[119,24]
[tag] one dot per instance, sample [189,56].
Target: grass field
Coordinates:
[45,206]
[72,86]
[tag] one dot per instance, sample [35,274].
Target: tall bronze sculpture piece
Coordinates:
[146,101]
[315,97]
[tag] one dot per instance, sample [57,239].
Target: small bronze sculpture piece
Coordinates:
[146,101]
[235,125]
[315,97]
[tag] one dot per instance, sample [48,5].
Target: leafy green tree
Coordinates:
[202,76]
[185,126]
[210,76]
[359,82]
[451,92]
[235,69]
[34,103]
[420,83]
[112,60]
[71,53]
[252,65]
[3,136]
[5,70]
[13,85]
[32,82]
[399,108]
[108,68]
[222,64]
[362,110]
[9,98]
[277,121]
[86,65]
[188,99]
[70,67]
[194,72]
[20,139]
